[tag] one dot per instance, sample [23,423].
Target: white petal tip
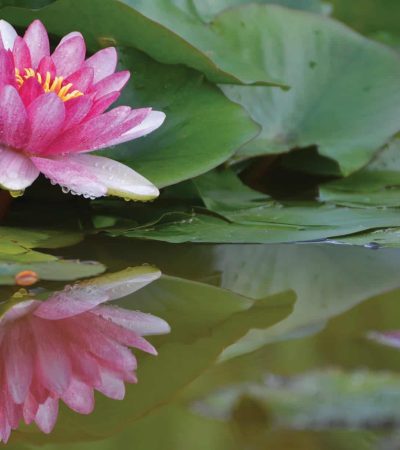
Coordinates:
[8,34]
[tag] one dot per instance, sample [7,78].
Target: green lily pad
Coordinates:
[238,214]
[334,74]
[16,244]
[371,17]
[143,25]
[208,9]
[202,129]
[54,270]
[378,184]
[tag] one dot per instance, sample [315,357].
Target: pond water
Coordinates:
[277,346]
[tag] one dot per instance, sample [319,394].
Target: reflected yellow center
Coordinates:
[56,85]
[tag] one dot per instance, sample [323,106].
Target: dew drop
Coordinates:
[16,194]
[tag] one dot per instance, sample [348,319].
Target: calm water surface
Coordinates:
[269,348]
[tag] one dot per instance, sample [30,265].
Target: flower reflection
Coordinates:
[390,338]
[70,345]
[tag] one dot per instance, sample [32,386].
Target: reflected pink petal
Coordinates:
[68,346]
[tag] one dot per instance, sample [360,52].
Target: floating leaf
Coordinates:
[202,130]
[334,74]
[317,400]
[143,25]
[378,184]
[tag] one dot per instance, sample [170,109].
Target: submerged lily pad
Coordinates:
[317,400]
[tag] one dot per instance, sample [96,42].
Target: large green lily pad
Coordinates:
[169,31]
[202,128]
[344,94]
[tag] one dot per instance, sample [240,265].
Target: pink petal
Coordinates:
[7,68]
[114,82]
[81,79]
[94,133]
[76,110]
[39,392]
[70,36]
[141,323]
[101,104]
[123,336]
[8,35]
[47,65]
[30,90]
[103,62]
[390,338]
[18,311]
[46,114]
[54,364]
[69,55]
[22,56]
[38,42]
[70,302]
[118,179]
[30,409]
[17,171]
[111,385]
[14,122]
[84,365]
[111,353]
[18,360]
[46,416]
[153,121]
[79,397]
[71,176]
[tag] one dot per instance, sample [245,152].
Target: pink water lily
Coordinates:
[53,111]
[70,345]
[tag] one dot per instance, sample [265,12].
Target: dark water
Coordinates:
[270,348]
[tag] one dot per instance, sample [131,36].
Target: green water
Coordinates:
[268,350]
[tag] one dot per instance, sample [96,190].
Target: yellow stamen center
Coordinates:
[56,85]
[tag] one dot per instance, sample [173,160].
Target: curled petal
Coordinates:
[17,171]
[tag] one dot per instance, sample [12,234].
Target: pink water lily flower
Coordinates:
[53,111]
[70,345]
